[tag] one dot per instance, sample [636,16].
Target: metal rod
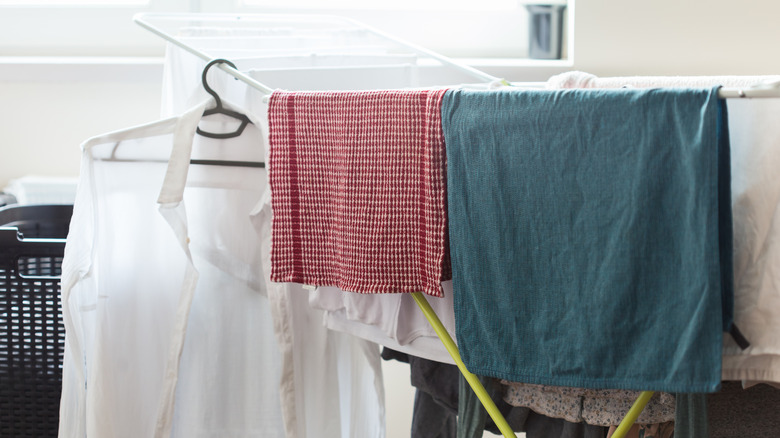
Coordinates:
[769,89]
[138,18]
[441,58]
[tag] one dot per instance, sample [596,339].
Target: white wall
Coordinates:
[47,111]
[43,124]
[677,37]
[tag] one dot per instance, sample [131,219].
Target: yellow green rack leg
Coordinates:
[484,397]
[476,385]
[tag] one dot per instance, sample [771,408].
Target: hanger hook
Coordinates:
[219,109]
[205,82]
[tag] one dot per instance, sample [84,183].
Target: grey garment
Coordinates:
[431,419]
[436,400]
[690,418]
[473,418]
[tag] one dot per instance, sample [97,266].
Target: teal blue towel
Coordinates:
[590,235]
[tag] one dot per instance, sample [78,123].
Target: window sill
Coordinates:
[80,69]
[149,69]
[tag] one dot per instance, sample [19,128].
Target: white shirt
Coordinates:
[141,271]
[755,191]
[391,320]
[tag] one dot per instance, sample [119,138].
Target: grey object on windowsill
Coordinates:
[6,199]
[545,30]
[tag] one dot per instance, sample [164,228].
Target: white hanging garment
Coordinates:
[391,320]
[141,271]
[755,190]
[331,383]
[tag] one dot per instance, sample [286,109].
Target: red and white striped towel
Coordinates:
[358,190]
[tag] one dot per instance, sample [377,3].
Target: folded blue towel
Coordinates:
[590,235]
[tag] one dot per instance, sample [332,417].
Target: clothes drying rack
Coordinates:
[146,20]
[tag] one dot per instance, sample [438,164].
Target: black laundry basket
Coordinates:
[32,336]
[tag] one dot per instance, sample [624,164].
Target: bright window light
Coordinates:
[482,5]
[73,2]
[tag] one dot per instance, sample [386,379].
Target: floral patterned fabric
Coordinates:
[600,407]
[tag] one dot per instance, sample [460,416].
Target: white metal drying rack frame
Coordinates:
[771,89]
[143,19]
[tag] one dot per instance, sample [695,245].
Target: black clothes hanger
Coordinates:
[219,109]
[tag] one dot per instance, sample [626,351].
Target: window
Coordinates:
[80,27]
[72,2]
[456,28]
[436,5]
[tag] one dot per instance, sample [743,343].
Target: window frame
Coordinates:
[94,30]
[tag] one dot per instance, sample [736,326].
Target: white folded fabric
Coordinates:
[579,79]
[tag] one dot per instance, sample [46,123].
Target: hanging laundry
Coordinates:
[168,329]
[473,418]
[352,370]
[358,190]
[442,392]
[755,190]
[435,409]
[392,320]
[690,415]
[172,330]
[588,229]
[602,407]
[346,398]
